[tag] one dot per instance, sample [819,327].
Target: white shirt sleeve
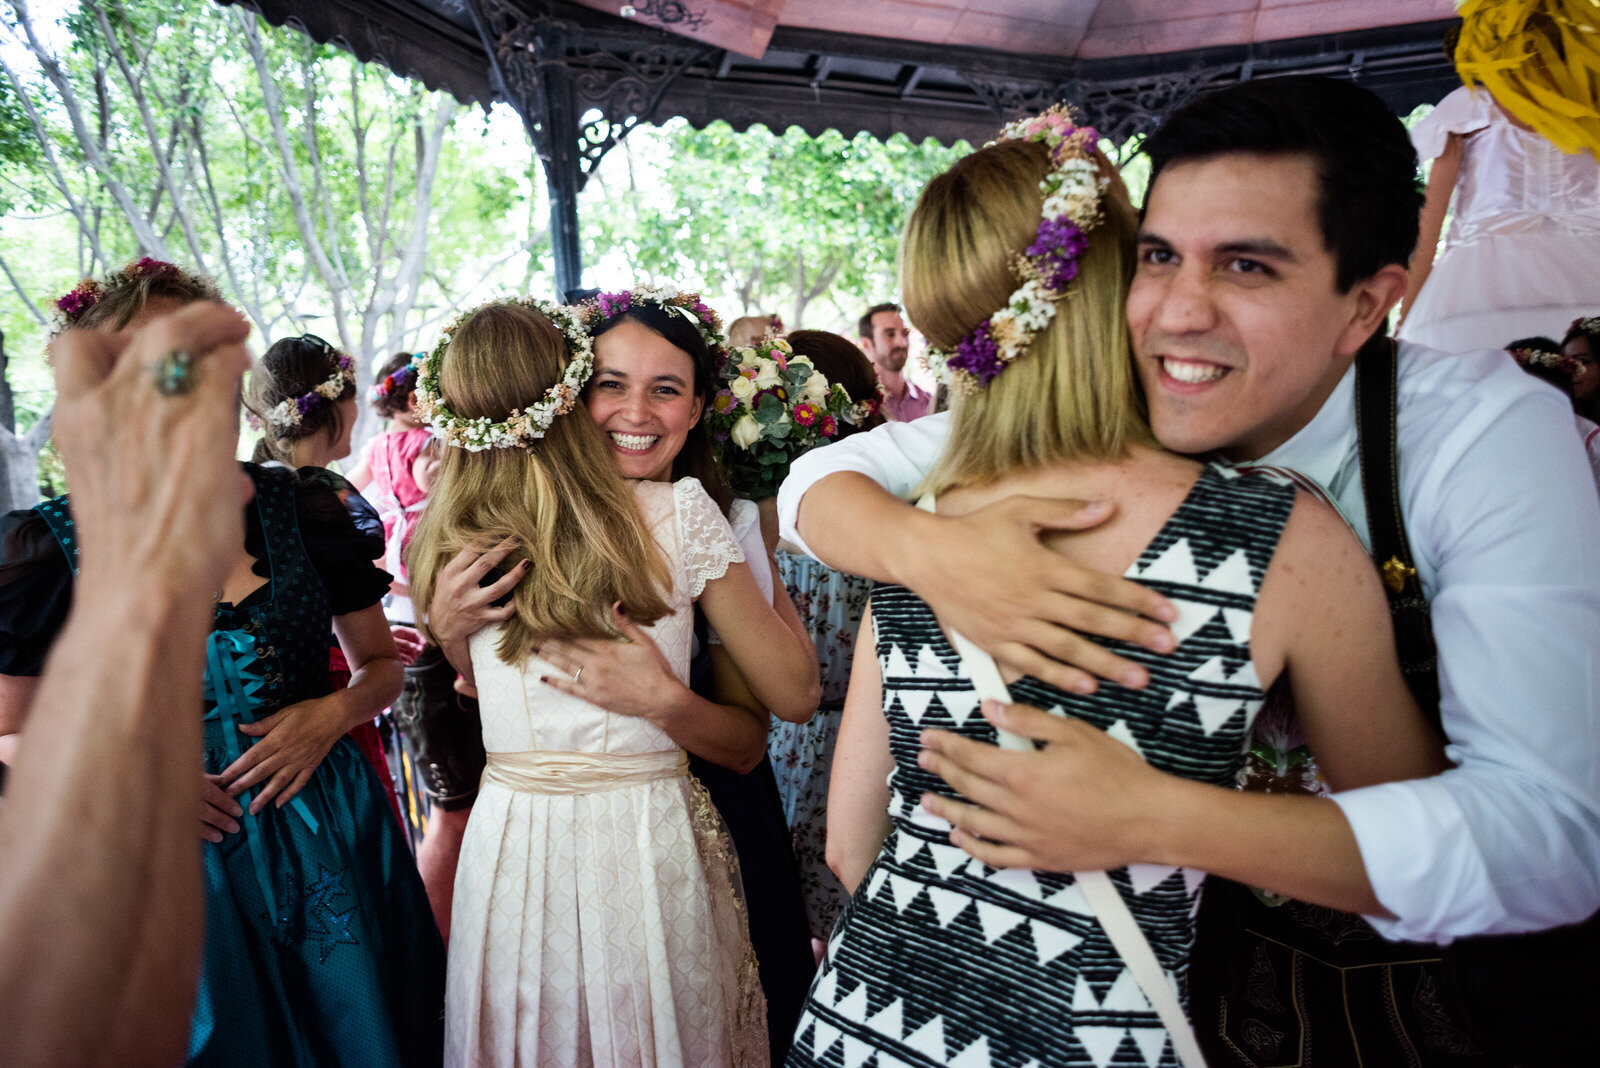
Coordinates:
[895,455]
[1509,839]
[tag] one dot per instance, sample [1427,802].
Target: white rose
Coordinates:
[815,391]
[742,387]
[803,361]
[769,376]
[746,431]
[748,358]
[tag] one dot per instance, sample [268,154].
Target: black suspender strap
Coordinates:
[1377,392]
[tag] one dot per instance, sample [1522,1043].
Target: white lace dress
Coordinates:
[595,920]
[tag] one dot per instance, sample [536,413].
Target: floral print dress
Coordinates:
[832,604]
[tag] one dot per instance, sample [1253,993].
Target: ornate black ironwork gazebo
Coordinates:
[582,78]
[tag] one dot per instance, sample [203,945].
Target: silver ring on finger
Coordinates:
[174,373]
[576,675]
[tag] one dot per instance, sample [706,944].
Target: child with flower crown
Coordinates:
[438,755]
[1014,266]
[596,917]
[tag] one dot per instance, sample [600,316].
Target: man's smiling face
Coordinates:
[1239,331]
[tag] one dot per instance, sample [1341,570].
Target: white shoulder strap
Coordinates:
[1098,889]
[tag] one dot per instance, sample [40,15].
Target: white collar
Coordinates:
[1320,448]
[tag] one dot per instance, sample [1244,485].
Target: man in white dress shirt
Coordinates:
[1277,227]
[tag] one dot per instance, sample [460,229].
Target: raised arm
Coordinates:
[780,667]
[100,893]
[843,504]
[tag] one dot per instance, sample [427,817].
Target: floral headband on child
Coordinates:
[288,412]
[1073,192]
[525,426]
[669,299]
[401,377]
[1530,357]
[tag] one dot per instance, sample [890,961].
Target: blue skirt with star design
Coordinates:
[331,955]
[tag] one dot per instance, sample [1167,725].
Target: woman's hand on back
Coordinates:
[629,676]
[988,575]
[460,606]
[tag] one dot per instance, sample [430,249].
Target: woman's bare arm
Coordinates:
[1441,184]
[858,791]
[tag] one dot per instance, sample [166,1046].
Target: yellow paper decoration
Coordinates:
[1540,60]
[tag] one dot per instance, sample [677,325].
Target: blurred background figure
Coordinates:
[749,329]
[1582,343]
[887,343]
[1513,156]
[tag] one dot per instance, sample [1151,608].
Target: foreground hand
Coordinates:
[630,677]
[291,743]
[408,642]
[139,461]
[990,577]
[219,812]
[1083,802]
[460,607]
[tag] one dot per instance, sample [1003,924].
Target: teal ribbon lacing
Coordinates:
[234,689]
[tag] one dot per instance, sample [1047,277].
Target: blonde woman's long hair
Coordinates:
[562,501]
[1073,394]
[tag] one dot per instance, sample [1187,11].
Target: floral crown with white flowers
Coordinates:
[669,299]
[524,426]
[1588,326]
[1074,193]
[290,411]
[1556,361]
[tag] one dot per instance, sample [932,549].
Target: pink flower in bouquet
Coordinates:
[806,414]
[830,426]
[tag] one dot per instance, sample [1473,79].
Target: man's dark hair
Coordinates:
[1370,197]
[866,320]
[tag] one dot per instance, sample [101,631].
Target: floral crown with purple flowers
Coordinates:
[669,299]
[1074,191]
[400,378]
[291,410]
[87,293]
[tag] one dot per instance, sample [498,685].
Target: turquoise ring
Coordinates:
[174,373]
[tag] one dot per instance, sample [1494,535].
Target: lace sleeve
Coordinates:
[706,545]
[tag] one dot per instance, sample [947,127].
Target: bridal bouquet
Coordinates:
[771,407]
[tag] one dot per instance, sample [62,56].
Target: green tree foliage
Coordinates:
[761,221]
[322,194]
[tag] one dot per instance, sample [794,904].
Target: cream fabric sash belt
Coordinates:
[554,772]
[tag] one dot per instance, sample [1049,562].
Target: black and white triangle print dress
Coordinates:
[939,959]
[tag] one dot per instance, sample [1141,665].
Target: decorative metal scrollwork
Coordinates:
[1009,98]
[674,13]
[1126,111]
[626,88]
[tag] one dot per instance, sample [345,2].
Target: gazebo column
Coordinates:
[555,75]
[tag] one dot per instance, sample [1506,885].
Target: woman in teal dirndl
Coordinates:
[320,945]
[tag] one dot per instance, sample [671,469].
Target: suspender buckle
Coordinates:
[1396,573]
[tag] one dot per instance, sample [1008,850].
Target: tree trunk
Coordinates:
[19,465]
